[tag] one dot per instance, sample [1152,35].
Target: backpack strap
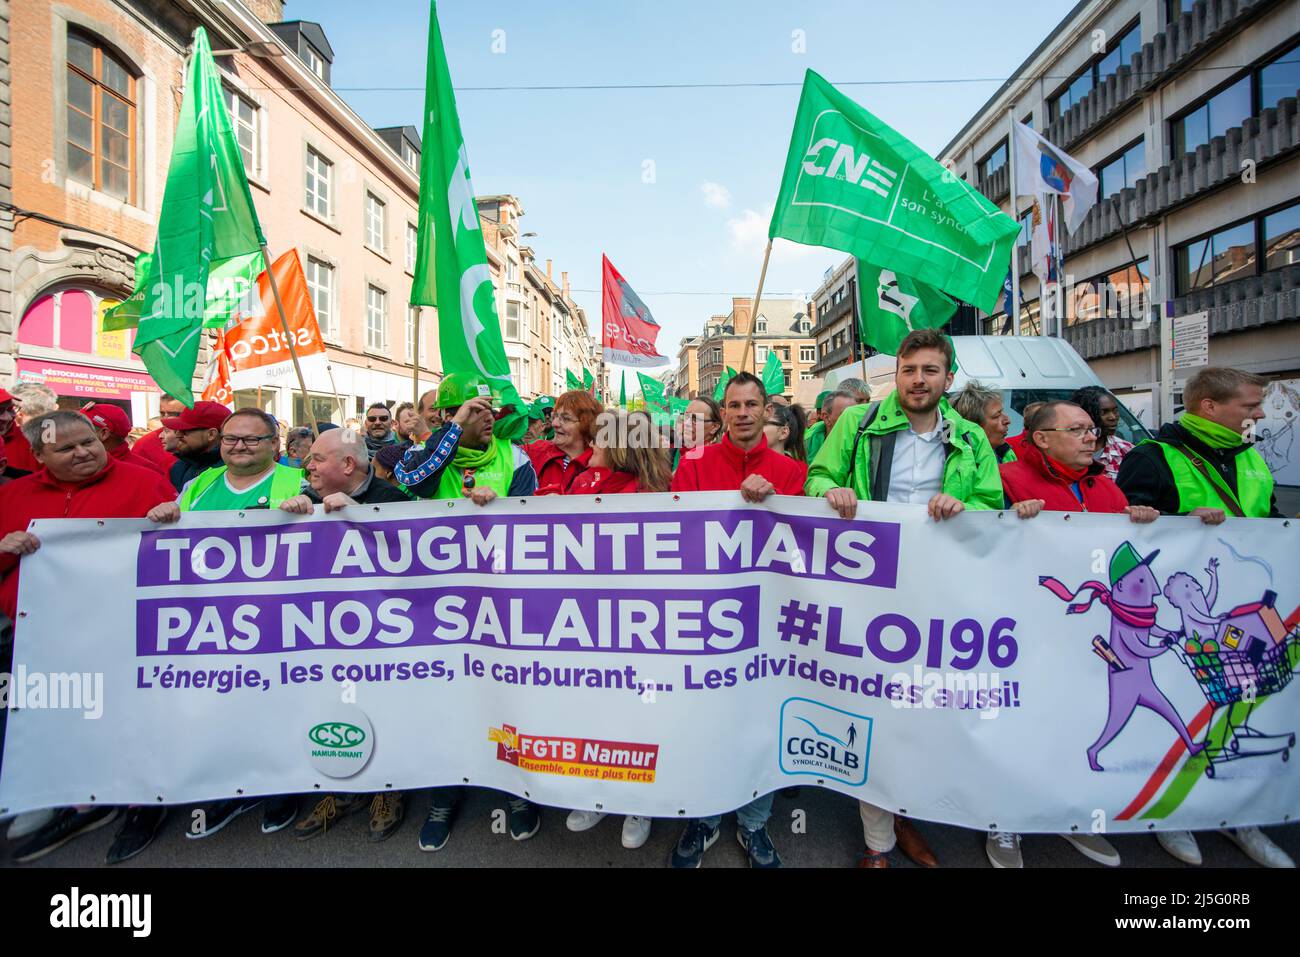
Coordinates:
[857,439]
[1225,493]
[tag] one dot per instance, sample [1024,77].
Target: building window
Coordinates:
[376,319]
[375,222]
[409,156]
[512,320]
[993,162]
[1119,52]
[315,62]
[412,246]
[762,324]
[805,376]
[807,353]
[783,352]
[1279,78]
[320,285]
[514,373]
[1282,238]
[317,197]
[243,121]
[1119,294]
[101,118]
[760,353]
[1227,255]
[413,317]
[1214,117]
[1026,227]
[1123,171]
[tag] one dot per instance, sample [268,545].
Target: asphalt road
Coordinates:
[832,837]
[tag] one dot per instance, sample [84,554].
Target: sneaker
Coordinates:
[279,813]
[525,819]
[1258,847]
[66,824]
[636,831]
[1003,849]
[328,811]
[1180,845]
[1095,848]
[28,823]
[386,813]
[218,814]
[695,840]
[580,821]
[758,845]
[137,833]
[437,826]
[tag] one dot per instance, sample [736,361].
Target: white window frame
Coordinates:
[376,318]
[324,318]
[252,164]
[315,62]
[412,246]
[375,230]
[516,319]
[409,156]
[313,176]
[807,353]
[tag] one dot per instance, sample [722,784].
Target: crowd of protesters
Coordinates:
[913,446]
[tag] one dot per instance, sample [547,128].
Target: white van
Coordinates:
[1025,368]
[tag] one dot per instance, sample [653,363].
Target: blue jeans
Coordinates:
[751,817]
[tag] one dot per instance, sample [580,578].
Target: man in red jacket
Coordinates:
[77,479]
[739,460]
[153,446]
[1055,472]
[18,452]
[112,426]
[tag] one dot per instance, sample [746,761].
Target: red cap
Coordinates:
[5,396]
[111,417]
[204,415]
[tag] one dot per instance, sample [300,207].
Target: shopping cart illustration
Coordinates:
[1229,677]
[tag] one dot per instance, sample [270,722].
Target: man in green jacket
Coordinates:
[912,448]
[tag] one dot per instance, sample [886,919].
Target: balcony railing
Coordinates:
[835,313]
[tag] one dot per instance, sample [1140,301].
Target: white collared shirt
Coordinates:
[916,475]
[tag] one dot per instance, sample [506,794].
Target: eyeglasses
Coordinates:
[1076,431]
[565,418]
[378,418]
[248,441]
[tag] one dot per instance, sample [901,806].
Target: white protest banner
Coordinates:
[671,656]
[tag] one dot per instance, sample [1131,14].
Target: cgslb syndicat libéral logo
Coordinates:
[823,741]
[341,742]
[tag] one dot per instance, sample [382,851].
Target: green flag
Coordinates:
[207,253]
[451,267]
[892,306]
[587,379]
[126,314]
[677,405]
[652,390]
[853,183]
[622,391]
[721,387]
[571,382]
[773,375]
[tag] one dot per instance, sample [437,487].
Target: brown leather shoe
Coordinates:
[911,843]
[872,858]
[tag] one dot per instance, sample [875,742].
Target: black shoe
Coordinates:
[279,813]
[67,824]
[525,819]
[437,827]
[218,814]
[136,833]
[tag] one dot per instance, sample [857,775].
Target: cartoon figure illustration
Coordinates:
[1184,593]
[853,733]
[1131,600]
[1275,434]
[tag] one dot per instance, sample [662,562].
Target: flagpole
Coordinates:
[753,316]
[1058,232]
[293,353]
[1015,214]
[343,414]
[415,361]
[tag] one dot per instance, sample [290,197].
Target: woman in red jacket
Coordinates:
[626,457]
[560,461]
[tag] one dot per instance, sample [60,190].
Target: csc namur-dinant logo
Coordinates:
[825,742]
[342,745]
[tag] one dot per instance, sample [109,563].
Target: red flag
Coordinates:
[628,330]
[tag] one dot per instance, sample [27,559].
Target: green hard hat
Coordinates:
[459,387]
[822,397]
[534,410]
[1125,559]
[545,402]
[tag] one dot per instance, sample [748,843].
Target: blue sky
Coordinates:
[577,159]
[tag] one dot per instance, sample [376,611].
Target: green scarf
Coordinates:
[1211,433]
[474,458]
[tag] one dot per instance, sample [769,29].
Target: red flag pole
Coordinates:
[293,353]
[753,315]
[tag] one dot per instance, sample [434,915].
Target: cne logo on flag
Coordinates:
[837,152]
